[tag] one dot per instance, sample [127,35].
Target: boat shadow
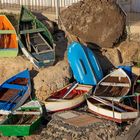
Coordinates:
[33,74]
[104,62]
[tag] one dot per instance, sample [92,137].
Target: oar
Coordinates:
[107,103]
[74,85]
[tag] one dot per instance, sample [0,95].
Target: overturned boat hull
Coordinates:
[84,64]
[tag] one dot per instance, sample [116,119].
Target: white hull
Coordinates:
[28,55]
[116,116]
[65,104]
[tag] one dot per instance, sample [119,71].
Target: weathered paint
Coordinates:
[46,57]
[19,130]
[8,52]
[8,38]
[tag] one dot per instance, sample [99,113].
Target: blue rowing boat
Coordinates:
[84,64]
[14,92]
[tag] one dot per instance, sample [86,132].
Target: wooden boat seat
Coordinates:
[39,44]
[31,31]
[20,81]
[7,32]
[13,86]
[7,95]
[115,84]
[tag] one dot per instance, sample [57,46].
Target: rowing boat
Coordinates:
[114,86]
[20,125]
[58,101]
[14,92]
[23,121]
[8,38]
[114,111]
[36,42]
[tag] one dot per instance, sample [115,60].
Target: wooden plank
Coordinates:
[32,31]
[115,84]
[7,32]
[107,103]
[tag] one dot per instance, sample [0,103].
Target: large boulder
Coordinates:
[95,21]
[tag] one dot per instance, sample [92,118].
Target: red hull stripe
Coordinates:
[110,118]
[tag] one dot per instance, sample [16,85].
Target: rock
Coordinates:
[74,129]
[100,21]
[130,51]
[51,79]
[136,70]
[126,53]
[113,56]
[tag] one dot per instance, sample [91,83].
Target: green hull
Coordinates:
[8,52]
[9,129]
[39,48]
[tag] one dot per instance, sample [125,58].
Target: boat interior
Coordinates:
[8,38]
[113,87]
[21,120]
[116,104]
[11,93]
[60,94]
[34,38]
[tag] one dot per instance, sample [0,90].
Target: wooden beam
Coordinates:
[32,31]
[115,84]
[7,32]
